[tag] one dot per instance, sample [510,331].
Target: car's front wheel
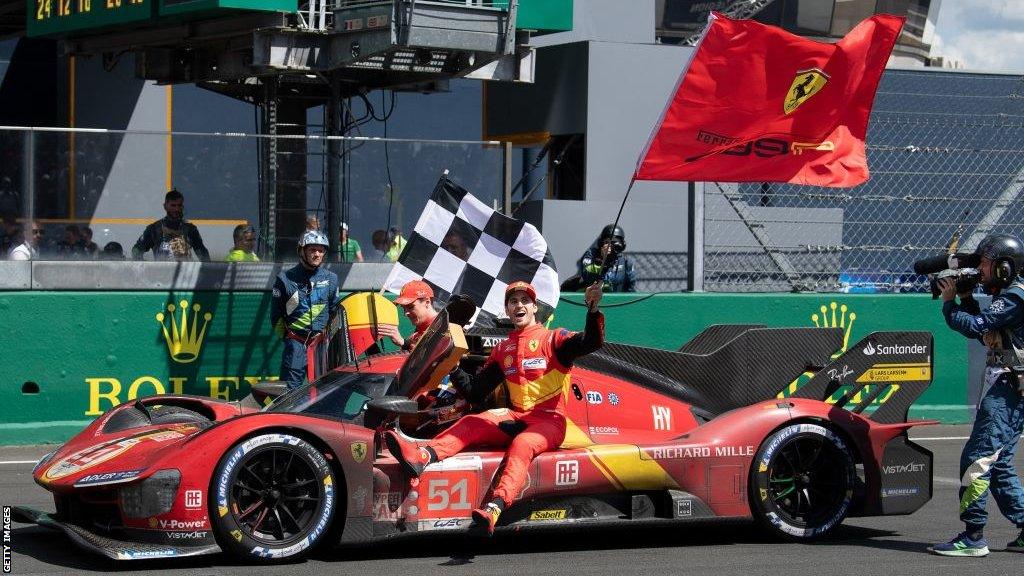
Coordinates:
[801,482]
[273,499]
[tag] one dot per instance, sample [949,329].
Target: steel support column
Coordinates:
[335,171]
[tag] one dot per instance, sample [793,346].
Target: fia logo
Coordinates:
[662,417]
[594,397]
[567,472]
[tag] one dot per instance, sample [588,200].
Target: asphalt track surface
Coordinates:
[886,546]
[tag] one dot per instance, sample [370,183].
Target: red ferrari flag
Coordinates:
[758,104]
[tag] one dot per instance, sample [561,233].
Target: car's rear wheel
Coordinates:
[273,498]
[802,482]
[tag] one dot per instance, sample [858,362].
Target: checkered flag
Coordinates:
[462,246]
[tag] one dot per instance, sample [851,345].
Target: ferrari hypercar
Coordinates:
[710,431]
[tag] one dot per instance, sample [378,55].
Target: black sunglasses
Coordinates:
[39,231]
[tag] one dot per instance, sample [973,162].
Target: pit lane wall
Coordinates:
[69,355]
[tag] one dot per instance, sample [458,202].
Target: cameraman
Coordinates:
[608,253]
[986,463]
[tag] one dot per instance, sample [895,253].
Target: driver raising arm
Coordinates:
[534,363]
[417,302]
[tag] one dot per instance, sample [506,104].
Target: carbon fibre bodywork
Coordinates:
[695,434]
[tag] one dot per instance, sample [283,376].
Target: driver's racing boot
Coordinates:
[487,516]
[413,458]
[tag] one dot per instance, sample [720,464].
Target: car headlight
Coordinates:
[44,460]
[151,497]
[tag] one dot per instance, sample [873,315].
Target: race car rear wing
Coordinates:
[724,367]
[888,370]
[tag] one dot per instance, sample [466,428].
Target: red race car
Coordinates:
[697,434]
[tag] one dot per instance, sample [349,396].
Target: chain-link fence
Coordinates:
[946,153]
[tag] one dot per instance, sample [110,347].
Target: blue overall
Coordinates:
[620,276]
[303,302]
[986,464]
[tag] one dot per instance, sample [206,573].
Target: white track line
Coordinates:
[18,461]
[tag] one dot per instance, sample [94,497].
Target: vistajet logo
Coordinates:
[903,468]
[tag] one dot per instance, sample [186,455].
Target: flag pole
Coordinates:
[654,131]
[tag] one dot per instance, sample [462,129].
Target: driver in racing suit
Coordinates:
[986,464]
[305,297]
[534,364]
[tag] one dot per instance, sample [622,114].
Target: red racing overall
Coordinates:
[534,364]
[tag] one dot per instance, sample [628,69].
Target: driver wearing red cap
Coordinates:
[417,302]
[534,363]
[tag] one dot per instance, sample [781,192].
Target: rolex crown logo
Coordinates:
[843,320]
[184,336]
[828,318]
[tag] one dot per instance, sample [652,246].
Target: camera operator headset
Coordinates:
[986,463]
[606,260]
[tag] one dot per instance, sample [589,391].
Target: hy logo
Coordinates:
[184,336]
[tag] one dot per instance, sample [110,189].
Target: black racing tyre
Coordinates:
[801,482]
[273,498]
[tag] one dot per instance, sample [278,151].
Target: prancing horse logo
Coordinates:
[806,84]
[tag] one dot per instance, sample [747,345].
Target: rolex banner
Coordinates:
[758,104]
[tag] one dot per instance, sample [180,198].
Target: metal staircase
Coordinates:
[739,10]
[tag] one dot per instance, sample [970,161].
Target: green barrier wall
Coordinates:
[69,356]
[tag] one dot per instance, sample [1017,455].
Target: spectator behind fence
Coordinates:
[10,231]
[396,243]
[158,235]
[244,238]
[312,224]
[27,247]
[112,251]
[71,247]
[379,238]
[88,245]
[351,251]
